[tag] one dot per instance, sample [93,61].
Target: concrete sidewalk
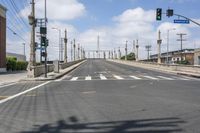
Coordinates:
[12,77]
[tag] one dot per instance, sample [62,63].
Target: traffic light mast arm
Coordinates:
[187,18]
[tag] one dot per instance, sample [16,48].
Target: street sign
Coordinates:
[180,21]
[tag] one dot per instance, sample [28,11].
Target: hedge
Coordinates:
[12,64]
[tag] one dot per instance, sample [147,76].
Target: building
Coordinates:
[2,38]
[175,56]
[18,56]
[197,57]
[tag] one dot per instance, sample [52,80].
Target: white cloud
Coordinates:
[62,10]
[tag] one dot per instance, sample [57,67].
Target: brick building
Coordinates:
[2,38]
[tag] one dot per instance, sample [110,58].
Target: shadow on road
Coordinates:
[159,125]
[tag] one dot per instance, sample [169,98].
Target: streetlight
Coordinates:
[168,43]
[59,30]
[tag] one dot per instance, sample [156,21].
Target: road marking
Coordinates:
[118,77]
[102,77]
[134,77]
[180,78]
[1,86]
[74,78]
[88,78]
[149,77]
[22,93]
[89,92]
[165,78]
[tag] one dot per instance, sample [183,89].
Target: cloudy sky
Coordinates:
[115,21]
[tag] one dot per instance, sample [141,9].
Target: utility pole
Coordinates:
[181,40]
[168,43]
[65,41]
[148,48]
[74,49]
[126,50]
[78,51]
[71,50]
[134,46]
[24,48]
[159,41]
[98,48]
[137,50]
[119,52]
[32,45]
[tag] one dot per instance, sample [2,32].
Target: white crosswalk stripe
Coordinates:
[134,77]
[102,77]
[180,78]
[167,78]
[130,77]
[74,78]
[88,78]
[149,77]
[118,77]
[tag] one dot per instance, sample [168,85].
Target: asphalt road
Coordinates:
[104,97]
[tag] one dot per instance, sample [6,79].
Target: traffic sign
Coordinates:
[180,21]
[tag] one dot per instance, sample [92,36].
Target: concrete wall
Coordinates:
[65,65]
[39,70]
[2,39]
[197,57]
[162,67]
[18,56]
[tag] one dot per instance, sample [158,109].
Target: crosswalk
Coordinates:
[128,77]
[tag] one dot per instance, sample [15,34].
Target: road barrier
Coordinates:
[37,71]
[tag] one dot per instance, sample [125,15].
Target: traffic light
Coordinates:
[159,14]
[170,12]
[43,54]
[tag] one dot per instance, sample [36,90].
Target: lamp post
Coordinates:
[168,43]
[59,41]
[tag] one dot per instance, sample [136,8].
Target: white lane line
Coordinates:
[88,78]
[102,77]
[134,77]
[1,86]
[22,93]
[167,78]
[149,77]
[74,78]
[118,77]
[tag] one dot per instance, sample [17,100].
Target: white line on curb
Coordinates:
[102,77]
[88,78]
[134,77]
[149,77]
[117,77]
[24,92]
[74,78]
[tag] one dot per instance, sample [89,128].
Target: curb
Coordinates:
[189,74]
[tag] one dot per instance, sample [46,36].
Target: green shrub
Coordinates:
[12,64]
[130,56]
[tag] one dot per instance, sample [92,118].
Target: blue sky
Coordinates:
[114,20]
